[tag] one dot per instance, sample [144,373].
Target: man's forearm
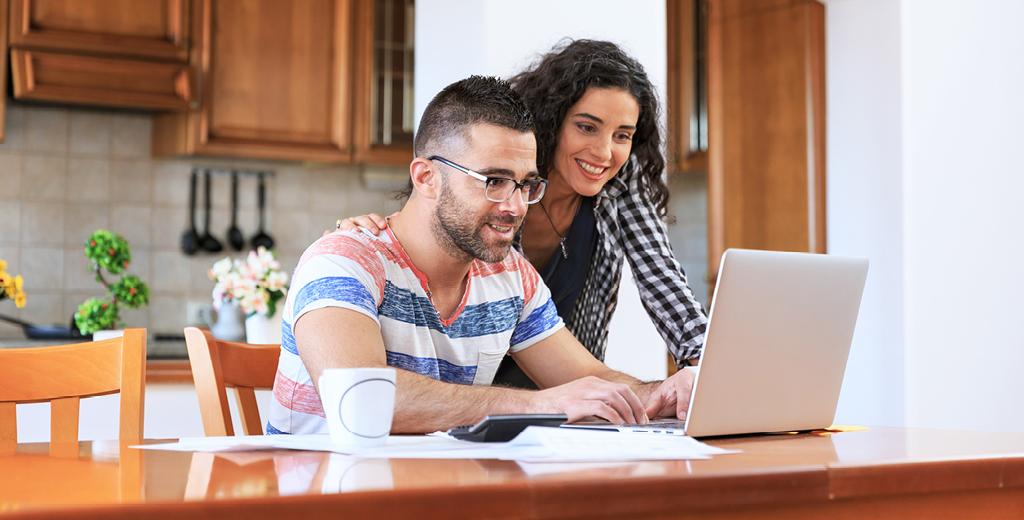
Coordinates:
[425,405]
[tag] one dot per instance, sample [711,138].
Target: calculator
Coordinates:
[503,428]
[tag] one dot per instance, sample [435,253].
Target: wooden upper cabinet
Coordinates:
[275,82]
[155,29]
[687,139]
[383,76]
[766,79]
[120,53]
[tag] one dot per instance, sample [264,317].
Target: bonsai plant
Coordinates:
[108,251]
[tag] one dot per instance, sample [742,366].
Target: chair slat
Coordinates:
[133,386]
[213,400]
[249,410]
[64,420]
[8,422]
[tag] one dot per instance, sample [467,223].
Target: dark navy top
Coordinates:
[565,278]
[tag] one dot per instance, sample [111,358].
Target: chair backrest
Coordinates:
[217,365]
[64,374]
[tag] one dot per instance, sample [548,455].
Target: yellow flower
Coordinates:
[3,265]
[19,300]
[19,284]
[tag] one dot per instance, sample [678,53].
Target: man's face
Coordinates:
[465,222]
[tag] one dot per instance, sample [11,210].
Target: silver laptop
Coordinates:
[778,338]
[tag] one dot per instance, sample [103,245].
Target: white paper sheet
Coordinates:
[535,444]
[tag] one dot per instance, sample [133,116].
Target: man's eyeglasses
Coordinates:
[500,189]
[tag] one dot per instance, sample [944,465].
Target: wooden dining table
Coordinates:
[842,473]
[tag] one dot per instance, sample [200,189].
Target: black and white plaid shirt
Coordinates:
[628,227]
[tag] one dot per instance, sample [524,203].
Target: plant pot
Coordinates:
[101,335]
[264,330]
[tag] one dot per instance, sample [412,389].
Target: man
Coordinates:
[441,296]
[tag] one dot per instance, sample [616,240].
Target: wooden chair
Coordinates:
[217,365]
[64,374]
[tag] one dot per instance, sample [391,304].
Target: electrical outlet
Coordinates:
[197,313]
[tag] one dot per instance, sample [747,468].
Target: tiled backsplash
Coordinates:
[67,172]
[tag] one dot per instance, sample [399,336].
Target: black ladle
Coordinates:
[261,238]
[235,237]
[190,238]
[207,242]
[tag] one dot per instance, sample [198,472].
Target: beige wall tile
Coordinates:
[42,223]
[47,130]
[171,184]
[10,223]
[199,266]
[290,230]
[44,309]
[42,268]
[78,275]
[90,133]
[133,223]
[88,180]
[14,131]
[131,181]
[166,227]
[139,265]
[291,189]
[130,136]
[330,189]
[81,220]
[10,176]
[43,177]
[169,272]
[166,313]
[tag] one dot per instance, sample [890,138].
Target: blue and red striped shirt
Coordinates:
[506,308]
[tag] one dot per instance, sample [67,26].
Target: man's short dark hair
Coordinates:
[476,99]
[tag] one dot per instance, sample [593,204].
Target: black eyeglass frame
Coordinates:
[521,186]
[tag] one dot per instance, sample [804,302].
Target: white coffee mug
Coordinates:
[359,404]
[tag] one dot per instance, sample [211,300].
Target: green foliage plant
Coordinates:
[108,252]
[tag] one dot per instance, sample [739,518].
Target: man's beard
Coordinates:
[456,231]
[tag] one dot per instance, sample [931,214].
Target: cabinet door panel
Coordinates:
[142,28]
[276,79]
[114,82]
[766,185]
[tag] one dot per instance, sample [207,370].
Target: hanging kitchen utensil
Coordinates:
[190,238]
[207,241]
[261,238]
[235,237]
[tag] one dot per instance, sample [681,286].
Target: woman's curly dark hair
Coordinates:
[558,80]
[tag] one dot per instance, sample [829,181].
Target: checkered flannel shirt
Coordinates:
[628,227]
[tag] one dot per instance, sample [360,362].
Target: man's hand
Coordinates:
[672,397]
[592,396]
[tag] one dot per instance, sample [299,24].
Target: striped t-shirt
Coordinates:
[506,307]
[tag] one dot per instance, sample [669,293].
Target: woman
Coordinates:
[599,145]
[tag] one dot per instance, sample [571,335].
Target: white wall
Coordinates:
[864,196]
[950,263]
[457,38]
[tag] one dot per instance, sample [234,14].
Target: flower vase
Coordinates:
[229,323]
[261,329]
[101,335]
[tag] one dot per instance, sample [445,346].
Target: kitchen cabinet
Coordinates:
[687,137]
[766,122]
[275,82]
[3,69]
[383,76]
[118,53]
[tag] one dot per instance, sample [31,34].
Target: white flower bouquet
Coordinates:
[257,284]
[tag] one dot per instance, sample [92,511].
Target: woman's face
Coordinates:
[595,139]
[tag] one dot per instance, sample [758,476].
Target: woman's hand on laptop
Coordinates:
[671,397]
[592,396]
